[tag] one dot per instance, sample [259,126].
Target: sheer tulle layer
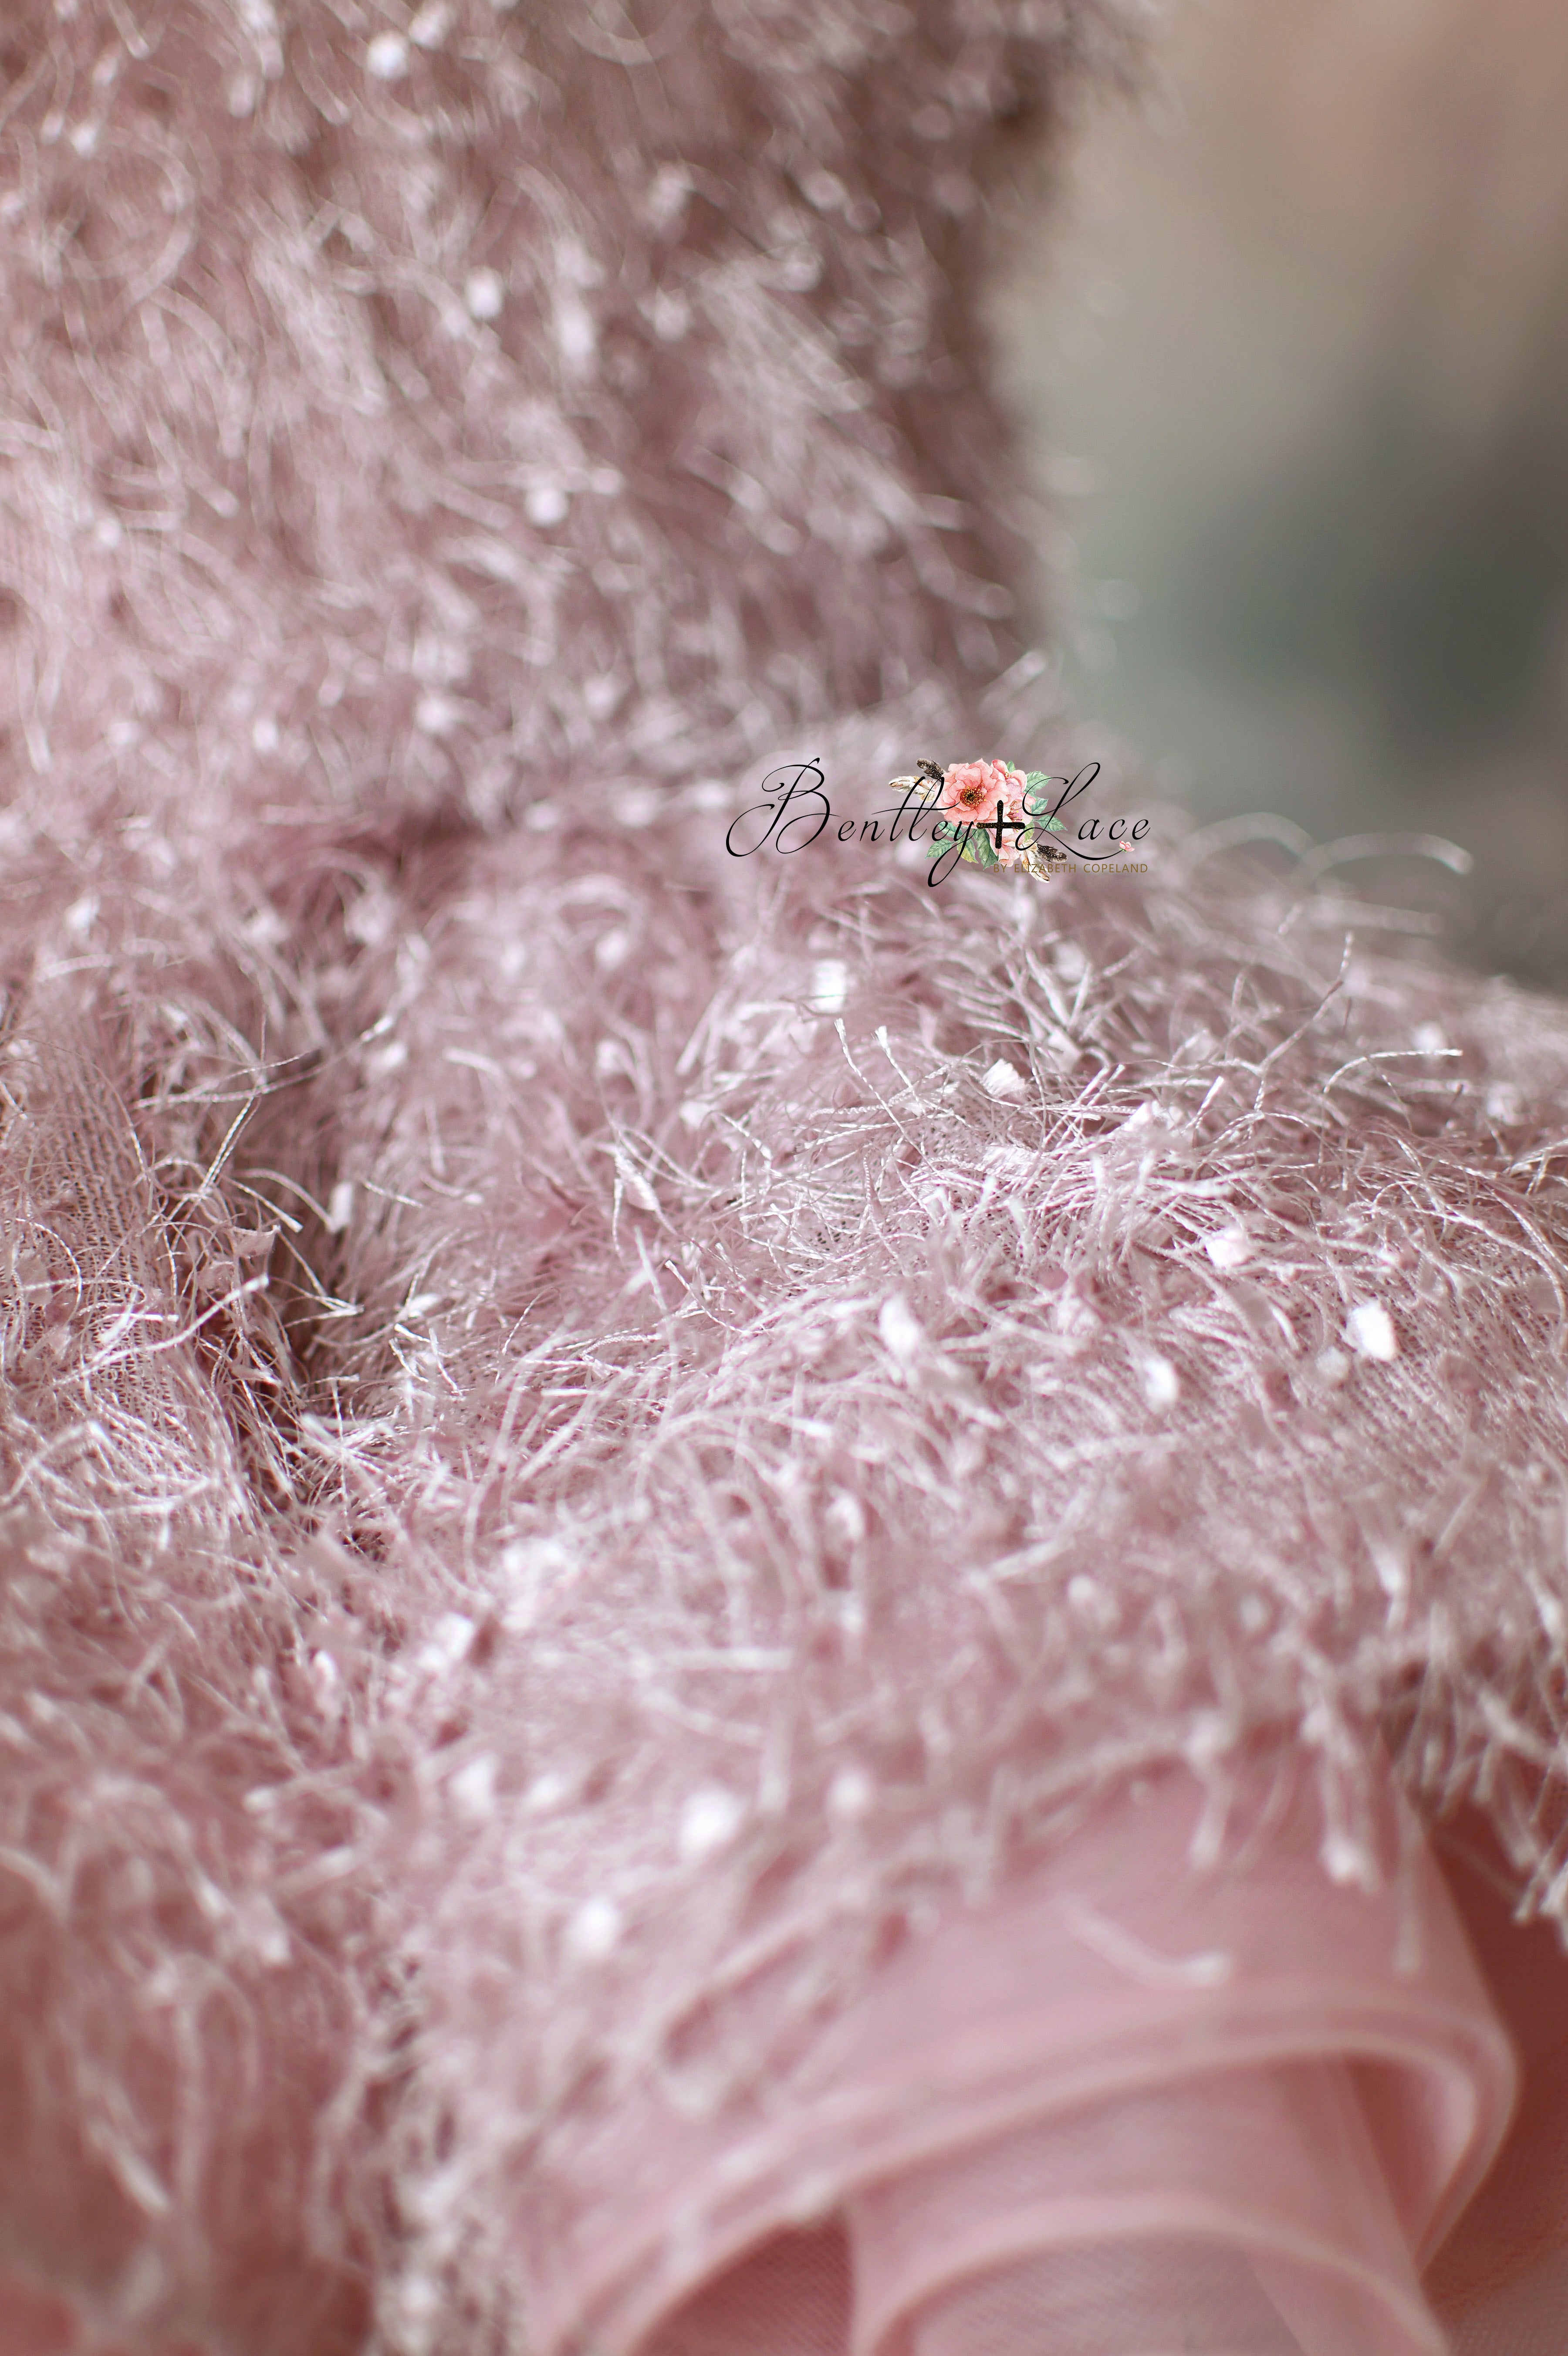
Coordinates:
[1121,2107]
[1501,2282]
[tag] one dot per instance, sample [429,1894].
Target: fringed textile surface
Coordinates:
[608,1449]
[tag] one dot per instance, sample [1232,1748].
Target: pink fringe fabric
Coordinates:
[736,1596]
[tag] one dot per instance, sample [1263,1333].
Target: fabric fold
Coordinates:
[1234,2107]
[1263,2179]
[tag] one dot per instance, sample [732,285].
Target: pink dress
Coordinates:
[745,1607]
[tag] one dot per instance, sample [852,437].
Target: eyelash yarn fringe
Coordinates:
[544,1456]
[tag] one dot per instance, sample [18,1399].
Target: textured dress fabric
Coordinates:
[746,1607]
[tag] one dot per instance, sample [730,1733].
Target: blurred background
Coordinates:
[1291,354]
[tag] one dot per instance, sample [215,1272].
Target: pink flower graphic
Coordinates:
[970,792]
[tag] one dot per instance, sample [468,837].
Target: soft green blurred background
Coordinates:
[1291,350]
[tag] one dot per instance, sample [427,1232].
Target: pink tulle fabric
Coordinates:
[743,1608]
[1119,2106]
